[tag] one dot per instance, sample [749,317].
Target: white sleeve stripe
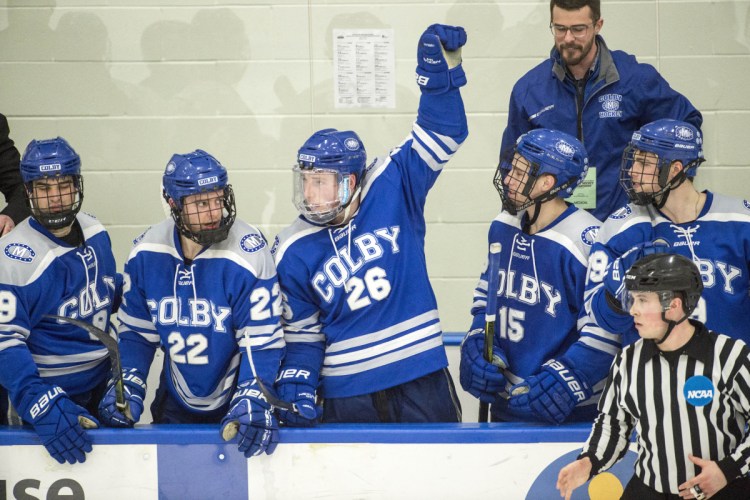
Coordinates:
[6,344]
[439,152]
[258,331]
[426,156]
[70,358]
[599,345]
[261,342]
[17,332]
[447,140]
[135,323]
[68,370]
[301,324]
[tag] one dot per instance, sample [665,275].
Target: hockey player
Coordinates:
[58,262]
[545,248]
[360,316]
[666,211]
[203,286]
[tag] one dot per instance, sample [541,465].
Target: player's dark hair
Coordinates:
[596,10]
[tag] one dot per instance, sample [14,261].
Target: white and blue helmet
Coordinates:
[547,152]
[195,173]
[329,151]
[671,141]
[47,159]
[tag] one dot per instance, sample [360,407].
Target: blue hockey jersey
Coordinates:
[200,313]
[718,241]
[358,300]
[540,292]
[42,275]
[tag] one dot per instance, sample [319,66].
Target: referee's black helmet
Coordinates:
[665,272]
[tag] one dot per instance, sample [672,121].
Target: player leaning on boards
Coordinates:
[545,248]
[201,284]
[666,212]
[56,262]
[683,388]
[594,93]
[360,316]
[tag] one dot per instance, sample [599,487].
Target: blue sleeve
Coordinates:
[662,101]
[518,123]
[138,335]
[444,114]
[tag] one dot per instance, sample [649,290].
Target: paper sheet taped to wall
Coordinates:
[364,68]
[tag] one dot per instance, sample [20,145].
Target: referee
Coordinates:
[684,389]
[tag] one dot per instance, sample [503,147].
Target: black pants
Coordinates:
[739,489]
[431,398]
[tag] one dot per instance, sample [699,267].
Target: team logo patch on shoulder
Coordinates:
[275,245]
[252,242]
[19,251]
[170,168]
[698,390]
[621,213]
[588,235]
[747,205]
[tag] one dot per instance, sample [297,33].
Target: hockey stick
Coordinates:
[270,397]
[490,313]
[114,356]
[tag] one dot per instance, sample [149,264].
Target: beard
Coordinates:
[573,53]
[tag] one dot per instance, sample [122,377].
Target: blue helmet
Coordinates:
[547,152]
[195,173]
[670,141]
[329,151]
[52,158]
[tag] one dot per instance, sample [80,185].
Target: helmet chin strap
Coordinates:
[348,210]
[670,326]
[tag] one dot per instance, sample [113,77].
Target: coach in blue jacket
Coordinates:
[593,93]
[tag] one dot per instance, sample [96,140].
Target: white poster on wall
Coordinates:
[364,68]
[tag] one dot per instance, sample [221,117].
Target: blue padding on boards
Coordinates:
[206,471]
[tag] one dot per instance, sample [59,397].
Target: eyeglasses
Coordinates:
[577,30]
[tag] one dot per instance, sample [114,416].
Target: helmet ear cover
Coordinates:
[52,160]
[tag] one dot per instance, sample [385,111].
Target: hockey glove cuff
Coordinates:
[552,394]
[478,377]
[60,424]
[134,390]
[298,386]
[251,418]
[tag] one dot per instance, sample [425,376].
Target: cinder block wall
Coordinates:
[130,82]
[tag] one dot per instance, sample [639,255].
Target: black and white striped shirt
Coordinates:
[659,395]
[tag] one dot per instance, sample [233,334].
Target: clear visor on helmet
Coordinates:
[643,175]
[320,194]
[54,201]
[647,302]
